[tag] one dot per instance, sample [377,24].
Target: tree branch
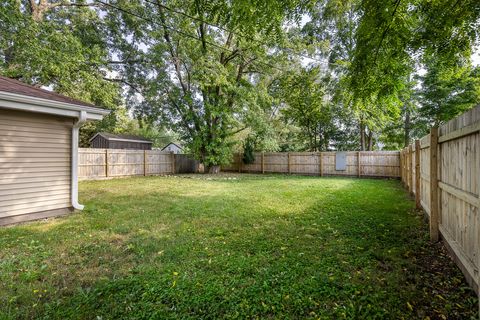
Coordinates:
[180,113]
[38,10]
[123,81]
[201,29]
[173,53]
[238,130]
[384,33]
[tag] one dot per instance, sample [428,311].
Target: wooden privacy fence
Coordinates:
[442,170]
[184,163]
[358,163]
[105,163]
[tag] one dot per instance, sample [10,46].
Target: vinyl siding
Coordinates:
[34,162]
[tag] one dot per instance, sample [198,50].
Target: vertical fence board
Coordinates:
[105,163]
[434,216]
[358,164]
[417,174]
[449,188]
[184,163]
[263,162]
[372,163]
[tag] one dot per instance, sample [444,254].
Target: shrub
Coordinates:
[248,151]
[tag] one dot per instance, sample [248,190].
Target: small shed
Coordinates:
[39,151]
[173,147]
[106,140]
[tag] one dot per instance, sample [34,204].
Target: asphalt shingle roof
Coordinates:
[17,87]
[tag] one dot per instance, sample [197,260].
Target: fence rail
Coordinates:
[106,163]
[359,164]
[442,170]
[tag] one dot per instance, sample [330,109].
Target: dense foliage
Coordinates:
[248,151]
[292,75]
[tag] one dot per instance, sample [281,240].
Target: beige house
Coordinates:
[39,151]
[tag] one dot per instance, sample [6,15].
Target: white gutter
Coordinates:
[33,104]
[82,117]
[81,113]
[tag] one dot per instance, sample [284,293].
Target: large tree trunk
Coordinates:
[370,141]
[362,136]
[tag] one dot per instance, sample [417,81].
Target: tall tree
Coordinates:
[385,43]
[204,60]
[449,87]
[336,26]
[306,107]
[57,44]
[61,45]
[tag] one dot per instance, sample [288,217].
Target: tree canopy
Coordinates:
[269,75]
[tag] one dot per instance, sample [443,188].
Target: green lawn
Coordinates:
[232,246]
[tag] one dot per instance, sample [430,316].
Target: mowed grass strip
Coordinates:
[232,246]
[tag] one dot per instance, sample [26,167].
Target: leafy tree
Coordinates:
[220,73]
[200,64]
[248,151]
[304,96]
[60,45]
[374,48]
[449,89]
[337,26]
[63,46]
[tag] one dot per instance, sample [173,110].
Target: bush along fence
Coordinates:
[442,171]
[109,163]
[384,164]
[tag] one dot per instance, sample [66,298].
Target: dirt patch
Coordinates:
[435,274]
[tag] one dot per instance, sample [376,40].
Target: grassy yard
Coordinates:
[232,247]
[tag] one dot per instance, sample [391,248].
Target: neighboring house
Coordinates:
[173,147]
[119,141]
[39,151]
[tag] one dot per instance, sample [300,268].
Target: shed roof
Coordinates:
[121,137]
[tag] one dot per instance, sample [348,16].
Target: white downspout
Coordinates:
[74,169]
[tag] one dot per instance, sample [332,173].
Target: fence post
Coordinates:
[405,167]
[401,165]
[417,174]
[239,163]
[405,154]
[144,163]
[289,169]
[434,215]
[106,163]
[358,164]
[263,162]
[320,164]
[410,171]
[173,161]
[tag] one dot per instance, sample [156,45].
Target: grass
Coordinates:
[232,247]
